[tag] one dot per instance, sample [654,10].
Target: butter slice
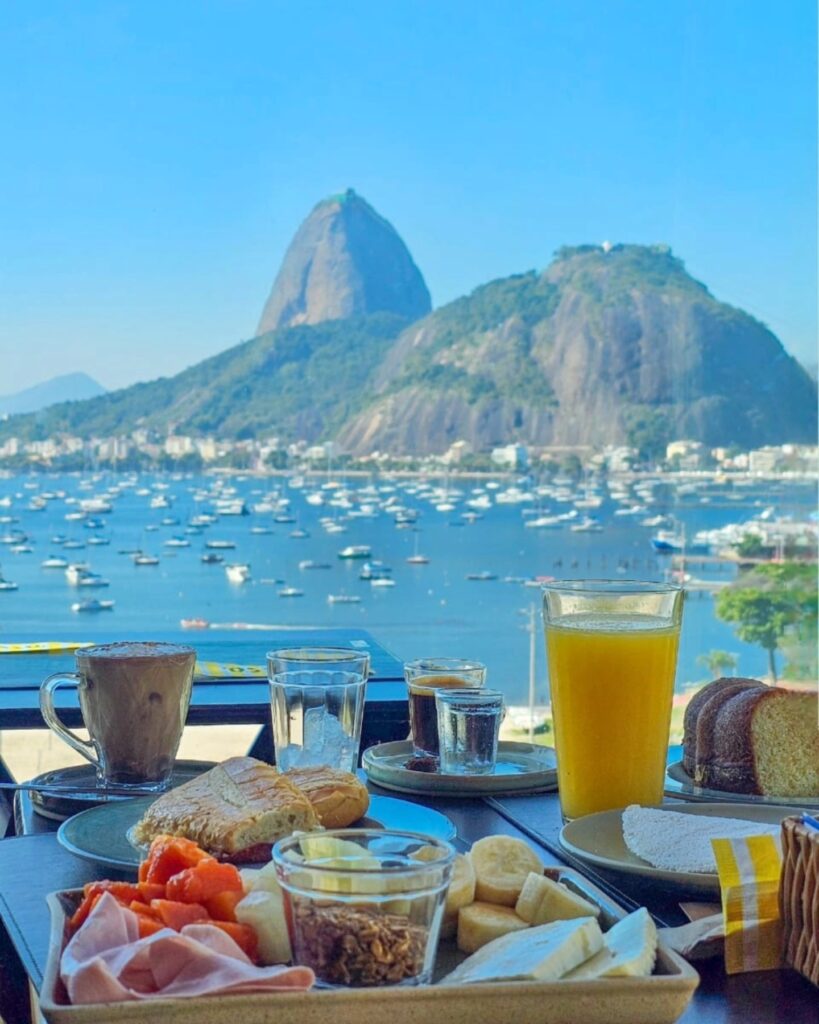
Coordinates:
[544,953]
[629,950]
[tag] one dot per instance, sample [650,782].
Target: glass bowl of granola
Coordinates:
[364,906]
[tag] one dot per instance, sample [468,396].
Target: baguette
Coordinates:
[235,811]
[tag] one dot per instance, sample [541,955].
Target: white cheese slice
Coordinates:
[629,950]
[544,953]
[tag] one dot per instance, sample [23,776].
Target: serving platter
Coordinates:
[659,999]
[520,768]
[678,783]
[598,839]
[101,834]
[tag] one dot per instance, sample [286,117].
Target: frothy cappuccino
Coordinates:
[134,698]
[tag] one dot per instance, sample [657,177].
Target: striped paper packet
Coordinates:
[749,871]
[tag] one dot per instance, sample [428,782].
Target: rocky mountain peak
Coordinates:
[345,260]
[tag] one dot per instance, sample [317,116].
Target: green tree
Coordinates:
[751,546]
[773,601]
[719,663]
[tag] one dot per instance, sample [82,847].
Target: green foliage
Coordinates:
[649,430]
[772,601]
[300,381]
[751,546]
[719,663]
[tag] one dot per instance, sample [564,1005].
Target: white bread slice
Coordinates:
[237,804]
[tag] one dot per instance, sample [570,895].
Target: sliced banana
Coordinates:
[480,923]
[630,949]
[502,865]
[543,900]
[461,891]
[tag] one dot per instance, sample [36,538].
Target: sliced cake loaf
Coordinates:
[695,706]
[766,741]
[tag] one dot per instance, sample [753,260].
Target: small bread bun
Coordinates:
[338,798]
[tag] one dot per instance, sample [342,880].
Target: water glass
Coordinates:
[612,652]
[468,725]
[424,678]
[317,706]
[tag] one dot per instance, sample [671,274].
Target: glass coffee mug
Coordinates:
[134,700]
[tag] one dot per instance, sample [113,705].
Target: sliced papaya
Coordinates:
[243,935]
[80,915]
[143,909]
[151,891]
[202,882]
[222,907]
[176,915]
[169,855]
[148,925]
[123,892]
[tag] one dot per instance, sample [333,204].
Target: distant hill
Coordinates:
[70,387]
[605,346]
[345,260]
[296,382]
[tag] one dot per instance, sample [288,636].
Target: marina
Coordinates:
[405,571]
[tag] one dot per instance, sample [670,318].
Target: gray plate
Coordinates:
[520,768]
[100,834]
[598,839]
[678,783]
[59,806]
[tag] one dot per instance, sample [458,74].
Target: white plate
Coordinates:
[678,783]
[520,768]
[598,839]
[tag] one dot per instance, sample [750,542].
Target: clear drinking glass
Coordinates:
[468,725]
[364,906]
[317,706]
[612,652]
[426,676]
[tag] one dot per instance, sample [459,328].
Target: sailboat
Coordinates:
[415,558]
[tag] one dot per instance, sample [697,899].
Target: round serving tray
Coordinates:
[520,768]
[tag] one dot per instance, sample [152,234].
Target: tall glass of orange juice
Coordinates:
[612,652]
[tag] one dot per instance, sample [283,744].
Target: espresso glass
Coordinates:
[134,698]
[424,677]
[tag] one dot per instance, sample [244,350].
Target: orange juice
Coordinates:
[612,682]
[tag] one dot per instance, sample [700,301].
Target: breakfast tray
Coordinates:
[660,999]
[799,897]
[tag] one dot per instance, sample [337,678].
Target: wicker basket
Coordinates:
[799,897]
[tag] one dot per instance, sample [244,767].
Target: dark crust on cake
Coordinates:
[692,711]
[733,767]
[707,738]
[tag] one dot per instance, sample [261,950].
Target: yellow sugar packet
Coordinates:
[749,871]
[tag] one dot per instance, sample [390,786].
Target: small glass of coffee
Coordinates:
[424,677]
[134,698]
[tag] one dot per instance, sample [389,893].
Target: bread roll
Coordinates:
[338,798]
[239,807]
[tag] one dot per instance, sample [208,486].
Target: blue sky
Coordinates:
[159,156]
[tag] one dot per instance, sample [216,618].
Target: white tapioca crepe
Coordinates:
[682,842]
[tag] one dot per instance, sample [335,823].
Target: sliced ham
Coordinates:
[106,961]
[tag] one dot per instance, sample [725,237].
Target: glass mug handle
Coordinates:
[53,721]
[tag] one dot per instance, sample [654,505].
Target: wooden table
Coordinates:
[32,866]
